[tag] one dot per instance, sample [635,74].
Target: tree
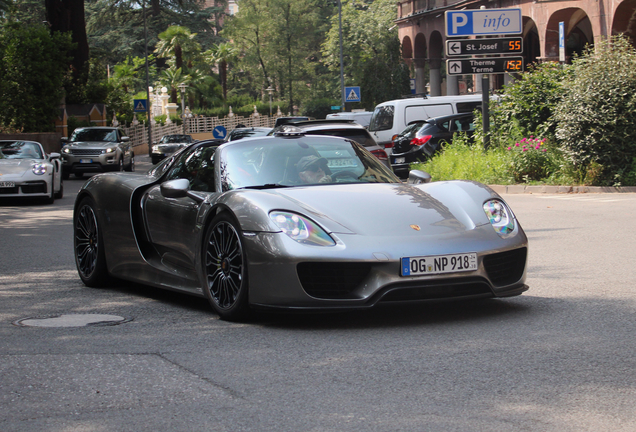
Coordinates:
[178,43]
[33,63]
[597,114]
[222,54]
[371,49]
[67,16]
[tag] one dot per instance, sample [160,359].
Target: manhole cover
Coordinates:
[72,320]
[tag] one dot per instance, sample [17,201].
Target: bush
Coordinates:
[530,160]
[318,108]
[597,114]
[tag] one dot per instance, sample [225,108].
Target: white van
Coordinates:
[361,117]
[391,117]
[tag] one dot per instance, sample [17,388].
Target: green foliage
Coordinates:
[527,106]
[530,160]
[468,160]
[33,64]
[597,114]
[73,123]
[319,108]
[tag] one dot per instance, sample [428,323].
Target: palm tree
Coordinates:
[125,75]
[222,54]
[171,78]
[177,42]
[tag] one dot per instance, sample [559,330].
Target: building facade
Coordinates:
[421,32]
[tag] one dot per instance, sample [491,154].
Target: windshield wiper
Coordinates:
[266,186]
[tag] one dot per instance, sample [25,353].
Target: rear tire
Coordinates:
[225,269]
[90,257]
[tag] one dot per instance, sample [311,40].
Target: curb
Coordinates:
[532,189]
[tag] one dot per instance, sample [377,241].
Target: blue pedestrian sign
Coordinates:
[352,94]
[140,105]
[483,22]
[219,132]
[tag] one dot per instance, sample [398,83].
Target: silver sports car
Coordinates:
[296,222]
[27,171]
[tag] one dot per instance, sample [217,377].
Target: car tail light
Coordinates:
[421,140]
[380,154]
[392,143]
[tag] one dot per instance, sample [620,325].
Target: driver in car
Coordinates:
[313,169]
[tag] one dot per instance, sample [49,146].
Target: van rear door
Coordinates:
[423,112]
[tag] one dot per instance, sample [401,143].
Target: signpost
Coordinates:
[562,41]
[140,105]
[484,65]
[352,94]
[484,22]
[464,47]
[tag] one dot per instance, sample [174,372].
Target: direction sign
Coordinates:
[493,65]
[483,22]
[463,47]
[219,132]
[140,105]
[352,94]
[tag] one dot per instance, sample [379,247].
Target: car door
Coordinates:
[172,222]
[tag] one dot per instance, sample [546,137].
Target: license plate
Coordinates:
[7,184]
[415,266]
[399,160]
[86,160]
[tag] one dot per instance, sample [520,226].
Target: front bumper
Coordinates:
[359,277]
[26,188]
[90,162]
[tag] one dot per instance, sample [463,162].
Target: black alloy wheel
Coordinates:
[225,269]
[89,249]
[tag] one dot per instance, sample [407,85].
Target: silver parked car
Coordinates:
[283,223]
[96,149]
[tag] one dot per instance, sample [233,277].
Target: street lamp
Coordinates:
[270,90]
[183,87]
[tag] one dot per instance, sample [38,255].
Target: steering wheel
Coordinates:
[345,173]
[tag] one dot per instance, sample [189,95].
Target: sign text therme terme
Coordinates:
[483,22]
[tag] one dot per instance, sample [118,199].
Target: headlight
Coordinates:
[39,169]
[155,149]
[110,150]
[301,229]
[66,150]
[500,216]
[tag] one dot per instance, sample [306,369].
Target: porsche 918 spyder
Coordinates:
[296,222]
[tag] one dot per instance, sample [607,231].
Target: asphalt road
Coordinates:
[561,357]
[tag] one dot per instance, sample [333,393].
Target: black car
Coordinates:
[169,144]
[422,138]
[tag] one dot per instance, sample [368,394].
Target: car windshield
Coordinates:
[108,135]
[411,129]
[269,163]
[238,134]
[171,139]
[20,150]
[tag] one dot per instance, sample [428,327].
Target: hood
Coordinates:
[17,166]
[92,144]
[442,208]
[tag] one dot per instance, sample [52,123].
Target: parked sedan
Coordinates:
[167,145]
[421,139]
[27,171]
[238,224]
[96,149]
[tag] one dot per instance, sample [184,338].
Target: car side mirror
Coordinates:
[418,177]
[64,140]
[54,155]
[178,188]
[125,139]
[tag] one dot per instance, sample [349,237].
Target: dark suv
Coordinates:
[96,149]
[342,128]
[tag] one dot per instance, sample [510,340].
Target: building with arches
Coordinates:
[421,32]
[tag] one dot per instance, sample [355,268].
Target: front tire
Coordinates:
[225,268]
[60,194]
[131,165]
[90,257]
